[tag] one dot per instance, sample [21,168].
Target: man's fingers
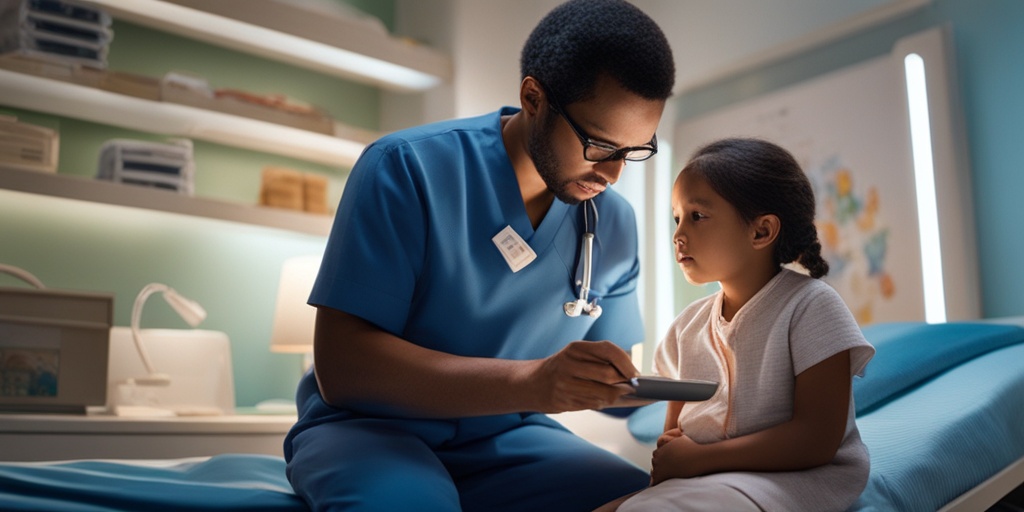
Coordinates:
[606,352]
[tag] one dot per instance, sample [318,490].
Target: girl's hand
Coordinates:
[669,435]
[675,457]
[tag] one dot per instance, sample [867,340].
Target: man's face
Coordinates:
[613,117]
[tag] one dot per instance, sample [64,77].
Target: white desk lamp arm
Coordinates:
[22,274]
[189,310]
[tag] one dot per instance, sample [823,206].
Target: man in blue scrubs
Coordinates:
[441,333]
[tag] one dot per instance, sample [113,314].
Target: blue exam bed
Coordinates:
[942,413]
[941,409]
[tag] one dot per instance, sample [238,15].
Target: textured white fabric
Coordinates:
[686,495]
[790,325]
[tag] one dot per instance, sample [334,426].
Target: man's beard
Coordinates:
[546,162]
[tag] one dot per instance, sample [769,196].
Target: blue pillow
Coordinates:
[648,422]
[909,353]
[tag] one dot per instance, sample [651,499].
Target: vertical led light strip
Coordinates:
[665,308]
[924,176]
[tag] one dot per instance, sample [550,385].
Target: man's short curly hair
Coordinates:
[580,40]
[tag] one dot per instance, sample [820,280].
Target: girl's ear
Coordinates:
[764,230]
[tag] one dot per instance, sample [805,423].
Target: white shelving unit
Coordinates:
[266,28]
[105,192]
[316,39]
[99,106]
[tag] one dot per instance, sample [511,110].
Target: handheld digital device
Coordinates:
[680,390]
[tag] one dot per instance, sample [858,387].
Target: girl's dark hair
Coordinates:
[758,177]
[580,40]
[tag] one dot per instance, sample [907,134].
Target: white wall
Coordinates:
[709,39]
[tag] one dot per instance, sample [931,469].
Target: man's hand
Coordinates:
[583,375]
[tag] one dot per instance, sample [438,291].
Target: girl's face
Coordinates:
[712,241]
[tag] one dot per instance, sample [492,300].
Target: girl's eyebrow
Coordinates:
[699,201]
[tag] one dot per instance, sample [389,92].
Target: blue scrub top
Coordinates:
[411,251]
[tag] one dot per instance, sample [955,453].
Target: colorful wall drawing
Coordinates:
[854,238]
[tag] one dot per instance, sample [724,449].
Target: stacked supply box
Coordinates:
[27,147]
[62,30]
[152,164]
[53,349]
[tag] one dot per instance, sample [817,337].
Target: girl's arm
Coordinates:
[672,415]
[671,431]
[811,438]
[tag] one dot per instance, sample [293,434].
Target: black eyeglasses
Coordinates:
[595,151]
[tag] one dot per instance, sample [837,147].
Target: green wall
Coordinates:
[232,269]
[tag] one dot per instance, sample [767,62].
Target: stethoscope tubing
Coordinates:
[583,304]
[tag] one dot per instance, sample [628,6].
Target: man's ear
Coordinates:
[764,230]
[531,96]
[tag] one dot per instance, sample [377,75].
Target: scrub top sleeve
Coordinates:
[620,320]
[376,247]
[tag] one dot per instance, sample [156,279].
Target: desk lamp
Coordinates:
[294,319]
[22,274]
[189,310]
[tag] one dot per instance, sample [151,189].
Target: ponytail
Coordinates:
[811,260]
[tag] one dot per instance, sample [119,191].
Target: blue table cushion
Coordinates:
[909,353]
[943,438]
[234,482]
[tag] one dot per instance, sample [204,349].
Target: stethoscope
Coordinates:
[581,305]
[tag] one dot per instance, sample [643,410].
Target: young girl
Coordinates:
[779,434]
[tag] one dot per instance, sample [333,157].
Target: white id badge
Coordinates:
[514,249]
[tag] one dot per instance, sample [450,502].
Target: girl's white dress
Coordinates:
[790,325]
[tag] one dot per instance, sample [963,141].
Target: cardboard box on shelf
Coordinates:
[282,187]
[129,84]
[27,146]
[193,91]
[315,194]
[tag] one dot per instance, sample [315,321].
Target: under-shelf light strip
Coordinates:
[273,41]
[924,177]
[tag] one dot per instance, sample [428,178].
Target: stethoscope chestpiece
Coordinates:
[577,307]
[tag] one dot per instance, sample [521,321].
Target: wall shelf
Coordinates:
[322,41]
[96,105]
[87,189]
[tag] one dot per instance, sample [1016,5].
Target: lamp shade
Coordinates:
[293,318]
